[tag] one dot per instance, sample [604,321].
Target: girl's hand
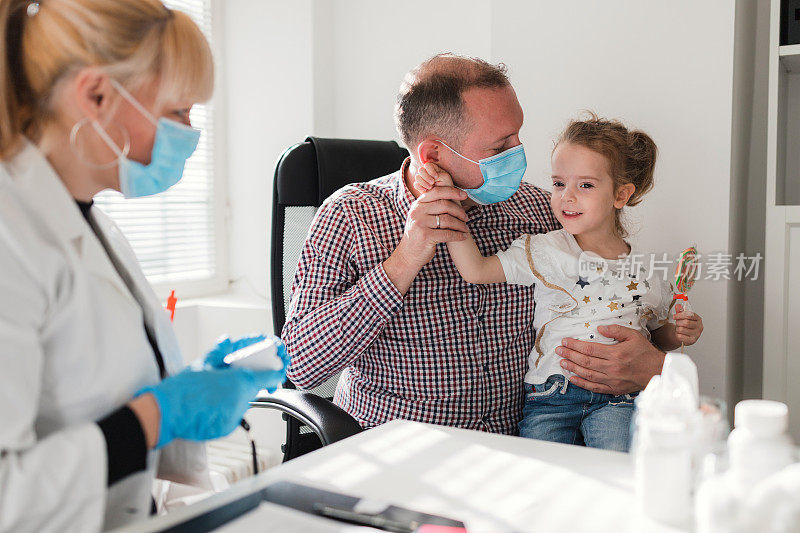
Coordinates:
[688,325]
[429,176]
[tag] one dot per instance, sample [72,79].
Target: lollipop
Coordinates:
[686,271]
[685,276]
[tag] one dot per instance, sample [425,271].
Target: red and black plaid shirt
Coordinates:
[448,352]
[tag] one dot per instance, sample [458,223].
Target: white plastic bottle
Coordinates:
[666,418]
[758,447]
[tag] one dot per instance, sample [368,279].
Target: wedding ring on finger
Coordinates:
[438,222]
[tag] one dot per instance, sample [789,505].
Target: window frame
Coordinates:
[220,282]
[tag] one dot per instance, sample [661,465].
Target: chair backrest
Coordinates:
[306,174]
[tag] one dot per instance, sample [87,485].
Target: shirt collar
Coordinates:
[403,196]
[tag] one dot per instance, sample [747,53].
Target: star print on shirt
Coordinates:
[632,286]
[583,282]
[605,282]
[586,299]
[636,297]
[612,306]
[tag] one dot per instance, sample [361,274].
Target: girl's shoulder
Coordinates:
[556,245]
[559,240]
[557,252]
[550,255]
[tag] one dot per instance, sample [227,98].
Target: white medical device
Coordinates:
[263,355]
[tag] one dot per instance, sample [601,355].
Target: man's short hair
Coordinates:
[431,101]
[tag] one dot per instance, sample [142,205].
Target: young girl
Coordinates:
[586,275]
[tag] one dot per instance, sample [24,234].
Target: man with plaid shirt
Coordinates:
[377,296]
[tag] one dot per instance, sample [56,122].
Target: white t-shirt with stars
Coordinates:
[601,292]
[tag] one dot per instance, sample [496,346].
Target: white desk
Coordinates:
[490,482]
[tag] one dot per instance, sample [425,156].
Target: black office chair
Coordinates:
[306,174]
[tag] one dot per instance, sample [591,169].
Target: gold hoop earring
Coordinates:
[73,144]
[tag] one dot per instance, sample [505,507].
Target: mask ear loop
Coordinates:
[133,101]
[455,152]
[73,138]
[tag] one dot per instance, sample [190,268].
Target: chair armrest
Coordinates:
[328,421]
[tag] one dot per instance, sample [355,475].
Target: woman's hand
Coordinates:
[203,402]
[688,325]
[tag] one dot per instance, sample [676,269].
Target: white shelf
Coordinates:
[792,213]
[790,57]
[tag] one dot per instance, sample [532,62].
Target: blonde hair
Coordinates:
[133,41]
[631,155]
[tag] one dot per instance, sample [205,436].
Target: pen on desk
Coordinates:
[366,519]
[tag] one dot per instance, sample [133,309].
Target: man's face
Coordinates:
[494,118]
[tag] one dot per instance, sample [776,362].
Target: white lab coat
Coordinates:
[73,349]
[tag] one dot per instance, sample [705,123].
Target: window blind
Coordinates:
[174,234]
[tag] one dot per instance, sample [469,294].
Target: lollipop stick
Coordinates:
[685,276]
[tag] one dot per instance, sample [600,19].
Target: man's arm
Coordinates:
[471,264]
[616,369]
[435,217]
[335,316]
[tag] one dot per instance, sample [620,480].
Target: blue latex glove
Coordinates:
[225,346]
[209,402]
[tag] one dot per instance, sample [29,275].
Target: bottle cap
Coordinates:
[763,417]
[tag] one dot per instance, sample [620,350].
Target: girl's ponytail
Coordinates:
[641,163]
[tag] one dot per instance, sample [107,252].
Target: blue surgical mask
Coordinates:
[174,144]
[502,174]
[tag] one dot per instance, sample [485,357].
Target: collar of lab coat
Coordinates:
[48,195]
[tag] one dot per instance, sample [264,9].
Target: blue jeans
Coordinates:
[560,411]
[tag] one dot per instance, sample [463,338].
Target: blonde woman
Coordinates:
[94,95]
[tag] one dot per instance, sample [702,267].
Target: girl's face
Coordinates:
[584,199]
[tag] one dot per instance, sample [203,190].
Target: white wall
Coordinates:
[332,68]
[312,67]
[626,59]
[268,85]
[374,44]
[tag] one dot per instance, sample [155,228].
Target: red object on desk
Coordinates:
[171,301]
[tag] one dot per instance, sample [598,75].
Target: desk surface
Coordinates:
[491,482]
